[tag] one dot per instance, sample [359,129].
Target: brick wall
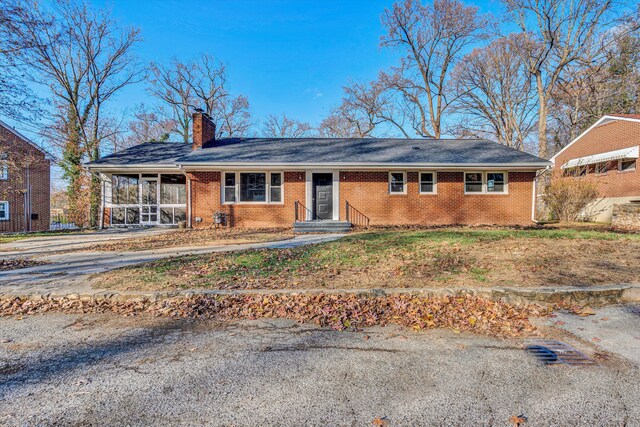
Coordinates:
[368,192]
[20,153]
[611,136]
[205,193]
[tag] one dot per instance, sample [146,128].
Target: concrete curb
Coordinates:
[595,296]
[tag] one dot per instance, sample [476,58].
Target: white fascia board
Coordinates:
[602,120]
[361,166]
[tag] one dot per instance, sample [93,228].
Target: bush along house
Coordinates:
[607,154]
[316,184]
[24,183]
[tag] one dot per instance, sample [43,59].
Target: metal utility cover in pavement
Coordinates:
[553,352]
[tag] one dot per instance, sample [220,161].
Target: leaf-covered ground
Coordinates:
[16,263]
[465,257]
[338,311]
[193,237]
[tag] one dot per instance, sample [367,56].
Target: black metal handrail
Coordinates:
[302,212]
[355,217]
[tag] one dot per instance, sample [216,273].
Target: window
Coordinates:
[473,182]
[276,188]
[230,187]
[427,182]
[495,182]
[252,187]
[602,168]
[125,215]
[173,190]
[397,182]
[125,189]
[627,165]
[4,167]
[485,182]
[4,211]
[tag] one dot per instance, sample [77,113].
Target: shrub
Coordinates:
[566,198]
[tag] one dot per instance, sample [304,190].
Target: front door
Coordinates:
[149,201]
[323,195]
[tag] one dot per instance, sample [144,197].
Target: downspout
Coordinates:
[102,204]
[189,224]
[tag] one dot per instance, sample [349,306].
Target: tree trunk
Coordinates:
[542,119]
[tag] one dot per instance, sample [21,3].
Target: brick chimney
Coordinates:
[204,130]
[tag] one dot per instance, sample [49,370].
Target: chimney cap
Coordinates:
[198,110]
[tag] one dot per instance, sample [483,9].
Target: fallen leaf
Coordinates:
[518,420]
[380,421]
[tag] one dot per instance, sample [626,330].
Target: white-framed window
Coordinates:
[428,182]
[4,167]
[4,211]
[496,182]
[230,187]
[397,182]
[252,187]
[627,165]
[473,182]
[493,182]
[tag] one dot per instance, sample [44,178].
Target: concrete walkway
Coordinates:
[68,272]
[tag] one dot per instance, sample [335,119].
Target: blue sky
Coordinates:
[284,55]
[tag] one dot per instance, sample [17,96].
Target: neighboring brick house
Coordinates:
[24,183]
[607,154]
[271,182]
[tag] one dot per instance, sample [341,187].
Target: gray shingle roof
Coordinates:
[327,151]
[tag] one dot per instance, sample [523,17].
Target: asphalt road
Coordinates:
[111,370]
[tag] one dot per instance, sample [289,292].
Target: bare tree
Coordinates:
[495,95]
[432,38]
[554,34]
[84,58]
[169,85]
[281,126]
[200,84]
[605,81]
[148,126]
[17,100]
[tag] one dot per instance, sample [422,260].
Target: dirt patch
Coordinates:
[449,258]
[338,311]
[193,237]
[16,263]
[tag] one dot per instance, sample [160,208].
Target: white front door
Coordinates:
[149,202]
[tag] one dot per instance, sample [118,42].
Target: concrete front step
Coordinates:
[321,226]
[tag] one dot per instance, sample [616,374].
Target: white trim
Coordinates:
[602,120]
[608,156]
[435,183]
[7,210]
[267,195]
[404,184]
[361,165]
[485,191]
[309,191]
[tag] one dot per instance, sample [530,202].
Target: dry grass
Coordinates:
[193,237]
[455,257]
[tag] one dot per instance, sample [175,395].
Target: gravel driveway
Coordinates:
[108,370]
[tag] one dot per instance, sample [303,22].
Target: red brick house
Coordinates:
[276,182]
[607,154]
[24,183]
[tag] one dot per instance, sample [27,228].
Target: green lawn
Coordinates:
[406,258]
